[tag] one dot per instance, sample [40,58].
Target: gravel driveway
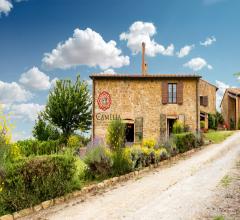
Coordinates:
[180,191]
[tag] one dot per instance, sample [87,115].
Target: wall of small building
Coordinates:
[232,110]
[224,109]
[206,89]
[133,98]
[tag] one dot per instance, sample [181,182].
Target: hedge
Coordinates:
[35,147]
[29,181]
[185,141]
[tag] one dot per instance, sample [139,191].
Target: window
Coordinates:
[204,101]
[172,92]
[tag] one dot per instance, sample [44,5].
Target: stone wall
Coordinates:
[206,89]
[133,98]
[224,109]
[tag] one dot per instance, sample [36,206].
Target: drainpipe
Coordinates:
[197,107]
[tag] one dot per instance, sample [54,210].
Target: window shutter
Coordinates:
[205,101]
[180,93]
[138,129]
[164,93]
[163,127]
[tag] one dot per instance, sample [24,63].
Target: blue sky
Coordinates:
[182,36]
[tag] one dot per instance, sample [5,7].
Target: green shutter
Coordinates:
[138,129]
[163,127]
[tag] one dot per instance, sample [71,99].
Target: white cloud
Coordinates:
[221,90]
[35,79]
[25,111]
[20,135]
[5,7]
[86,47]
[197,64]
[109,71]
[209,41]
[185,51]
[13,92]
[143,32]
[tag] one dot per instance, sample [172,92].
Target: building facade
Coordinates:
[150,104]
[230,107]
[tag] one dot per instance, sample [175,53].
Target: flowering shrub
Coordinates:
[99,161]
[150,143]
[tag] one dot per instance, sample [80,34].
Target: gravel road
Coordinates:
[179,191]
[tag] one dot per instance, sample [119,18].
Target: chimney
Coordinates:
[144,65]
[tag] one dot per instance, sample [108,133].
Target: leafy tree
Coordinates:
[43,131]
[69,106]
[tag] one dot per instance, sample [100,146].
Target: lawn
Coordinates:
[217,136]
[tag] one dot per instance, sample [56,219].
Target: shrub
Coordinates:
[136,156]
[99,161]
[239,124]
[122,162]
[34,147]
[178,127]
[116,134]
[74,142]
[148,156]
[185,141]
[161,154]
[150,143]
[212,122]
[219,118]
[202,124]
[30,181]
[232,124]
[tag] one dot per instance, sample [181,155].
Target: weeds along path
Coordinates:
[179,191]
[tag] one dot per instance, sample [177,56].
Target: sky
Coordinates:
[45,40]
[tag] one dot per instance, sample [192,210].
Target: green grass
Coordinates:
[217,136]
[226,180]
[218,218]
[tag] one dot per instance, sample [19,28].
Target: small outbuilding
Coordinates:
[230,107]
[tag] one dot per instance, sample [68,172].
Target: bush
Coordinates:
[239,124]
[212,122]
[232,124]
[122,162]
[161,154]
[99,161]
[202,124]
[116,134]
[30,181]
[178,127]
[136,156]
[150,143]
[34,147]
[219,118]
[185,142]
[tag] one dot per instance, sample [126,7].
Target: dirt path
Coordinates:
[181,191]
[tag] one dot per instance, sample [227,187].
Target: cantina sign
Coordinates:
[104,100]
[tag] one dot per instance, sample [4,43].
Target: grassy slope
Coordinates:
[217,136]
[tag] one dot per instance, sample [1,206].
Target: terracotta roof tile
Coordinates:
[235,91]
[140,76]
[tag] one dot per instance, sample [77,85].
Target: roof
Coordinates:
[209,83]
[235,91]
[140,76]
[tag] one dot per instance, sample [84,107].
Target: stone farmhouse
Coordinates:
[149,104]
[230,107]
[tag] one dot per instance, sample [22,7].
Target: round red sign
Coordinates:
[104,100]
